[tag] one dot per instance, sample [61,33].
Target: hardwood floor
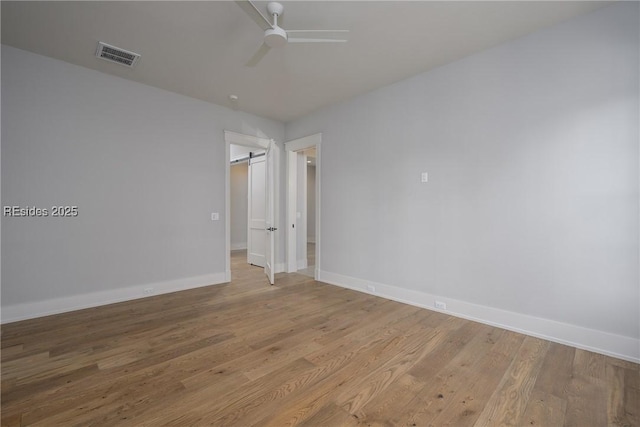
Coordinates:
[298,353]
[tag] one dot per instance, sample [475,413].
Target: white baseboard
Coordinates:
[30,310]
[606,343]
[238,246]
[279,267]
[302,264]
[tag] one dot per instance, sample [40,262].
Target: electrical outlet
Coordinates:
[371,288]
[441,305]
[215,216]
[148,291]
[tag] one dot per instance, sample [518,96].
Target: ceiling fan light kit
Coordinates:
[274,35]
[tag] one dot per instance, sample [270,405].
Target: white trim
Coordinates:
[279,267]
[303,143]
[246,140]
[30,310]
[606,343]
[302,264]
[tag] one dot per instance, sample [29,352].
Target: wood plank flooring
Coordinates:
[298,353]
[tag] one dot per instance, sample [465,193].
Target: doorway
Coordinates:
[248,187]
[306,211]
[303,205]
[259,218]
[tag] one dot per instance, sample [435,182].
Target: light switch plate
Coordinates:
[215,216]
[424,177]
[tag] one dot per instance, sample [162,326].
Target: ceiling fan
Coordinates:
[276,36]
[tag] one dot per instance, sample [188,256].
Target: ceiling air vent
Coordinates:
[117,55]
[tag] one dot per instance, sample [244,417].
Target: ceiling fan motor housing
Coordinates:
[275,37]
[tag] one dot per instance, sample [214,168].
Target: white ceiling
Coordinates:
[199,48]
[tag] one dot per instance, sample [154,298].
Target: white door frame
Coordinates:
[247,141]
[291,148]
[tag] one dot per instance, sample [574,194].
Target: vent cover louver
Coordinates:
[117,55]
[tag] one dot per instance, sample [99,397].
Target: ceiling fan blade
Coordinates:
[317,31]
[257,57]
[299,40]
[251,10]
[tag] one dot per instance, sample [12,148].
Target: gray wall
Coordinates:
[145,167]
[239,188]
[532,153]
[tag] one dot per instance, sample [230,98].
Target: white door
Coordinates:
[270,217]
[257,225]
